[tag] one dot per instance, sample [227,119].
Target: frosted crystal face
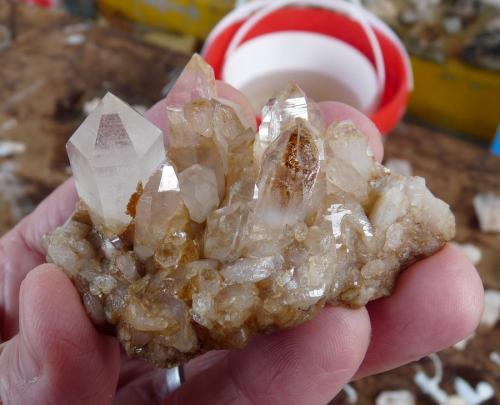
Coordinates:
[113,150]
[225,244]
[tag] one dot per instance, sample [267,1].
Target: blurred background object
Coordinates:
[56,66]
[195,17]
[82,8]
[456,58]
[355,56]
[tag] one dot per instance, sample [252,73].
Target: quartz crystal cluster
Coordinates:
[232,232]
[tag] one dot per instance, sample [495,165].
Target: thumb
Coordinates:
[57,357]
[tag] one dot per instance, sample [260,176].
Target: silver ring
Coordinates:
[174,378]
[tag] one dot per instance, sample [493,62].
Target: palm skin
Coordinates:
[52,354]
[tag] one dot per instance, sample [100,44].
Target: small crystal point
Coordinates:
[197,81]
[288,104]
[111,153]
[158,207]
[199,190]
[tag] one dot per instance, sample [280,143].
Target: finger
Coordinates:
[228,92]
[140,384]
[49,215]
[305,365]
[437,302]
[21,250]
[57,357]
[158,113]
[203,363]
[335,111]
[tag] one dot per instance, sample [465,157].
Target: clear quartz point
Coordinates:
[113,151]
[157,209]
[289,172]
[288,104]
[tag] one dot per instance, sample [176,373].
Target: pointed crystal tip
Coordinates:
[291,90]
[114,150]
[197,81]
[288,104]
[159,203]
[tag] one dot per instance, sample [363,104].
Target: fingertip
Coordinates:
[307,364]
[332,345]
[229,92]
[55,329]
[437,302]
[462,289]
[334,111]
[343,334]
[457,292]
[157,115]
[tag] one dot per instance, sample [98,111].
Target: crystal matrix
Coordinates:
[234,233]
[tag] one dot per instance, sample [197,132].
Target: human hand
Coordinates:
[53,354]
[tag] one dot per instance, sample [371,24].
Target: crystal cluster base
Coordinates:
[233,233]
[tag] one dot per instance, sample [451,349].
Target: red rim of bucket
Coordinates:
[395,95]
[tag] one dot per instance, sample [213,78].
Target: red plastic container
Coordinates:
[398,81]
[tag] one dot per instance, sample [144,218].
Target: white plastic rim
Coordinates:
[327,69]
[238,14]
[336,5]
[390,34]
[248,9]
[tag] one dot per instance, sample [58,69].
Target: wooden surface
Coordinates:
[45,82]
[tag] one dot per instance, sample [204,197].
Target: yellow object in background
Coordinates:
[456,96]
[193,17]
[180,43]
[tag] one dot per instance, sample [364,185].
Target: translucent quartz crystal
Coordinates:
[113,150]
[289,173]
[195,83]
[199,190]
[160,204]
[226,243]
[287,105]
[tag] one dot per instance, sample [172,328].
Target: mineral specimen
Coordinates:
[232,233]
